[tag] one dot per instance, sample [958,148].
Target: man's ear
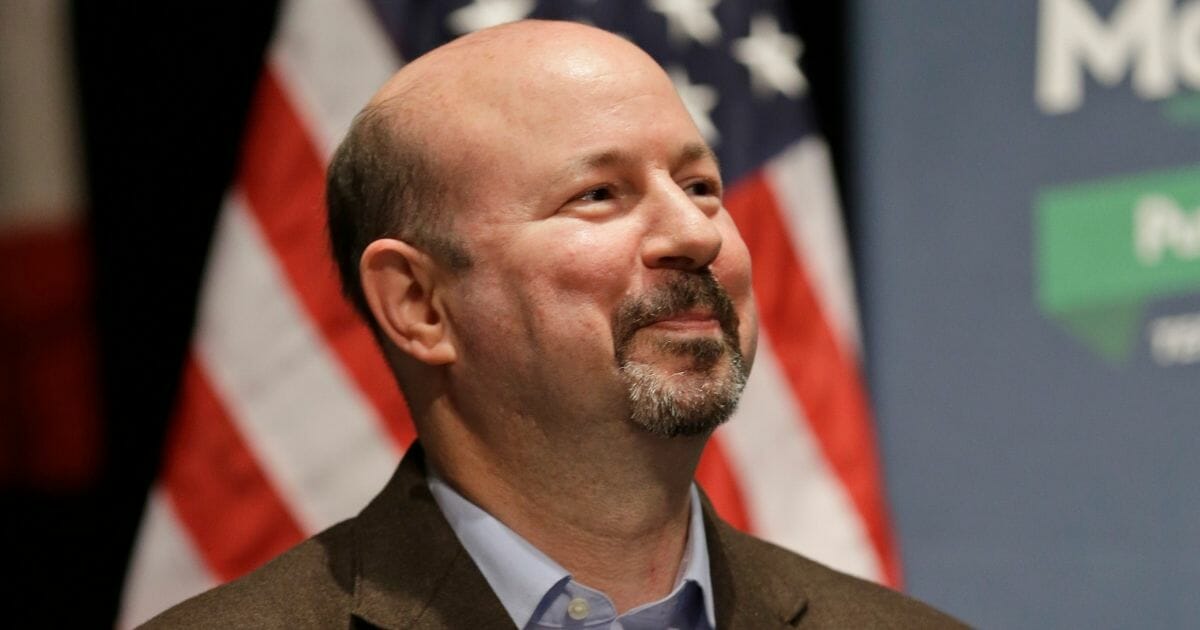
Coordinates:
[399,282]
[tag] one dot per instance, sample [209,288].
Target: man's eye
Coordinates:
[702,188]
[602,193]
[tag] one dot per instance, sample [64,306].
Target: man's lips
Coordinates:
[688,321]
[681,316]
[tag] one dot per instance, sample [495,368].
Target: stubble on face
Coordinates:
[701,388]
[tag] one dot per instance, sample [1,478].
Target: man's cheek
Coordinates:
[733,262]
[569,318]
[733,273]
[748,331]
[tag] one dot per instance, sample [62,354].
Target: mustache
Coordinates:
[684,292]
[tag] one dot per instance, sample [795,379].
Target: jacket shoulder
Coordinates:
[308,586]
[831,599]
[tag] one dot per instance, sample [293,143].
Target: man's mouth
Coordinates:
[691,308]
[691,320]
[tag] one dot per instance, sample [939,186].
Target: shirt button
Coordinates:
[578,608]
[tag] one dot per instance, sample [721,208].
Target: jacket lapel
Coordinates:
[748,590]
[411,571]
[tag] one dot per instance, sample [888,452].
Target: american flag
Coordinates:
[289,420]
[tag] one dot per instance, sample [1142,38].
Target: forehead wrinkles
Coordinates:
[478,99]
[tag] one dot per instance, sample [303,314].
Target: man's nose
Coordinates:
[681,234]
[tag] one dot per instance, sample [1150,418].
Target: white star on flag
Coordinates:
[689,19]
[699,100]
[481,14]
[771,55]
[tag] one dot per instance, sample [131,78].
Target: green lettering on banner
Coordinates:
[1183,110]
[1105,248]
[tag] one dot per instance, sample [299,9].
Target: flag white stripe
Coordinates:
[802,178]
[322,444]
[331,56]
[166,568]
[794,497]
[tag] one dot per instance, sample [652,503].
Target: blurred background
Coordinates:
[1020,186]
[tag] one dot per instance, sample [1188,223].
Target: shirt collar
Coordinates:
[695,559]
[520,574]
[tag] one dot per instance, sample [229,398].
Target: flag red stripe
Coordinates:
[47,440]
[284,180]
[720,483]
[215,485]
[823,374]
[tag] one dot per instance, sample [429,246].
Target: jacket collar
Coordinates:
[433,582]
[430,583]
[750,588]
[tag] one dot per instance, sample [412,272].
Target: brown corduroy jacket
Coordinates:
[398,564]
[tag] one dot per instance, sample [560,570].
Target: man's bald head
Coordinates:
[389,177]
[502,67]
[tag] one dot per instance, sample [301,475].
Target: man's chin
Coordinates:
[679,353]
[682,375]
[676,398]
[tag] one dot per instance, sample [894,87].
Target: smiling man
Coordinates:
[532,225]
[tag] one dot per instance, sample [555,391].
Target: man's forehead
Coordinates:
[619,157]
[540,100]
[517,81]
[687,153]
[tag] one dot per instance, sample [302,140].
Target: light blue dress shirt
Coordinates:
[538,593]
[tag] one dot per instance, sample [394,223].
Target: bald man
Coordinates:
[532,226]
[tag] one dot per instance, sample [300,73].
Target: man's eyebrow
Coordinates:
[696,152]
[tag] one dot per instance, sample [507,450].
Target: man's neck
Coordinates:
[615,516]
